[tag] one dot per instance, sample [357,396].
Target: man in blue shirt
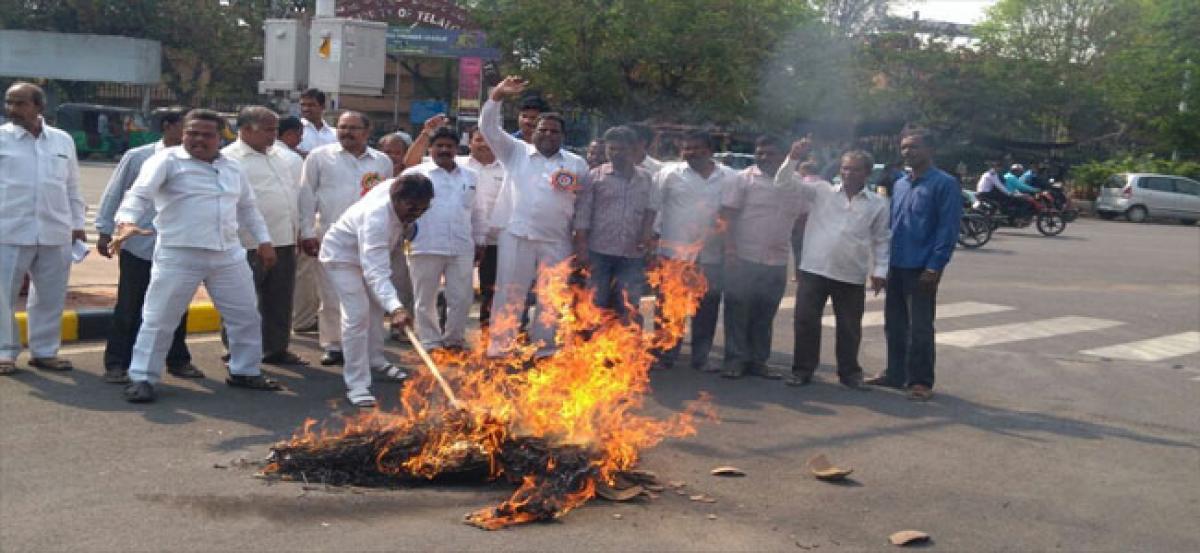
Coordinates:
[926,208]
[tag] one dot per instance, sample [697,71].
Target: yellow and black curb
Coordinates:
[94,324]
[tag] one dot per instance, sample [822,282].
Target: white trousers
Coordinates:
[361,326]
[518,262]
[175,275]
[427,272]
[49,268]
[305,301]
[329,317]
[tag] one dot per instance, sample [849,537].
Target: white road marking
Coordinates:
[789,302]
[96,348]
[1153,349]
[948,311]
[1015,332]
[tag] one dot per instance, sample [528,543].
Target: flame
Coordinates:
[581,404]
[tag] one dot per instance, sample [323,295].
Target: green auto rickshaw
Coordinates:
[104,130]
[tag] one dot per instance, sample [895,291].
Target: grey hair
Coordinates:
[254,116]
[861,156]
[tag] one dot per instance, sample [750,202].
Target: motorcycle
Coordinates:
[1024,210]
[1062,202]
[975,228]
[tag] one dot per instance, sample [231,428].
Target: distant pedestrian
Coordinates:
[135,262]
[43,213]
[926,209]
[595,153]
[291,131]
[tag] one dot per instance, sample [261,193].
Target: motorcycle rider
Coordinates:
[1021,194]
[991,188]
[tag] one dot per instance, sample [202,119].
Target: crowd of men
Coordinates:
[300,226]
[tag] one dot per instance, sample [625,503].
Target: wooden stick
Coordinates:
[429,364]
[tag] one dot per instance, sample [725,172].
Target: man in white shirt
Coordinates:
[356,255]
[203,200]
[314,134]
[43,214]
[534,211]
[761,218]
[642,154]
[274,174]
[134,263]
[847,240]
[489,179]
[991,187]
[444,249]
[334,177]
[687,198]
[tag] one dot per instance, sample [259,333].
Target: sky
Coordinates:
[953,11]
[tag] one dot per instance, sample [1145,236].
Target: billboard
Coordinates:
[78,57]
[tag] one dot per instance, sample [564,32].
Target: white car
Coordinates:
[1137,196]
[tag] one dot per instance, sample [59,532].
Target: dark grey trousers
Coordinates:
[275,288]
[752,295]
[848,304]
[908,324]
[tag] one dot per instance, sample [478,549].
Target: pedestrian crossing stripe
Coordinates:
[1016,332]
[1152,349]
[947,311]
[789,302]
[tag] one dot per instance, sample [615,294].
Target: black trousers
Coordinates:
[275,287]
[848,303]
[132,283]
[487,283]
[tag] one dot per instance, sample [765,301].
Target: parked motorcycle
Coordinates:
[1023,210]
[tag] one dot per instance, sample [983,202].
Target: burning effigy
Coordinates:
[559,427]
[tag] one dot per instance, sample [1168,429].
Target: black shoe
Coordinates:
[854,383]
[798,380]
[331,358]
[284,358]
[256,382]
[185,371]
[139,392]
[763,372]
[116,375]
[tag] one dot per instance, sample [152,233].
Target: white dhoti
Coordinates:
[175,275]
[427,272]
[361,327]
[49,268]
[305,301]
[518,262]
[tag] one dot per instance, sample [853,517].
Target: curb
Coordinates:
[94,324]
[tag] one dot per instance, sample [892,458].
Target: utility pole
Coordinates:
[1183,101]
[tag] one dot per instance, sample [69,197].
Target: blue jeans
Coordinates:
[908,324]
[617,283]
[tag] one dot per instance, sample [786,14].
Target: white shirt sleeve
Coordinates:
[141,195]
[503,144]
[374,253]
[881,238]
[310,174]
[78,206]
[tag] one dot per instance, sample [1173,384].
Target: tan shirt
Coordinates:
[762,230]
[275,178]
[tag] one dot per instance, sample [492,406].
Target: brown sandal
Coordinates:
[51,364]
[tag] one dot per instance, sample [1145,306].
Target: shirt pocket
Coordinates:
[60,169]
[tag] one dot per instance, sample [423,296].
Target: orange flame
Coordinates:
[585,397]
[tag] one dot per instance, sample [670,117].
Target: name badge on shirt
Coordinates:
[369,181]
[565,181]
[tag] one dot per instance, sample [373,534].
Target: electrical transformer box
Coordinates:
[347,56]
[285,55]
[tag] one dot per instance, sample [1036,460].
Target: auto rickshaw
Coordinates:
[104,130]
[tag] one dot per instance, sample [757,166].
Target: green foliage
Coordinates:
[1092,175]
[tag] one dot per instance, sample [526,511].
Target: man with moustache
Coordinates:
[194,187]
[846,243]
[534,211]
[687,198]
[273,171]
[356,256]
[43,215]
[926,209]
[334,177]
[444,249]
[134,263]
[761,218]
[314,134]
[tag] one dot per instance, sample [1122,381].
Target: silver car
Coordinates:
[1141,195]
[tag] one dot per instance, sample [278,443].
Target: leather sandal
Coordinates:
[392,373]
[920,392]
[185,371]
[284,358]
[51,363]
[256,382]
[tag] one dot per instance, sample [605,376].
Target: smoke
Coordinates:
[810,83]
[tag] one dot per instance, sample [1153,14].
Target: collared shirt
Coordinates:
[843,234]
[39,187]
[275,177]
[537,200]
[651,165]
[122,178]
[611,208]
[446,225]
[489,179]
[365,236]
[925,216]
[762,230]
[312,138]
[333,179]
[199,204]
[687,206]
[988,182]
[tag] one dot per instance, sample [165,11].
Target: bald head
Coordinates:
[23,105]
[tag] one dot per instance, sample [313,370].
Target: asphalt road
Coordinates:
[1049,431]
